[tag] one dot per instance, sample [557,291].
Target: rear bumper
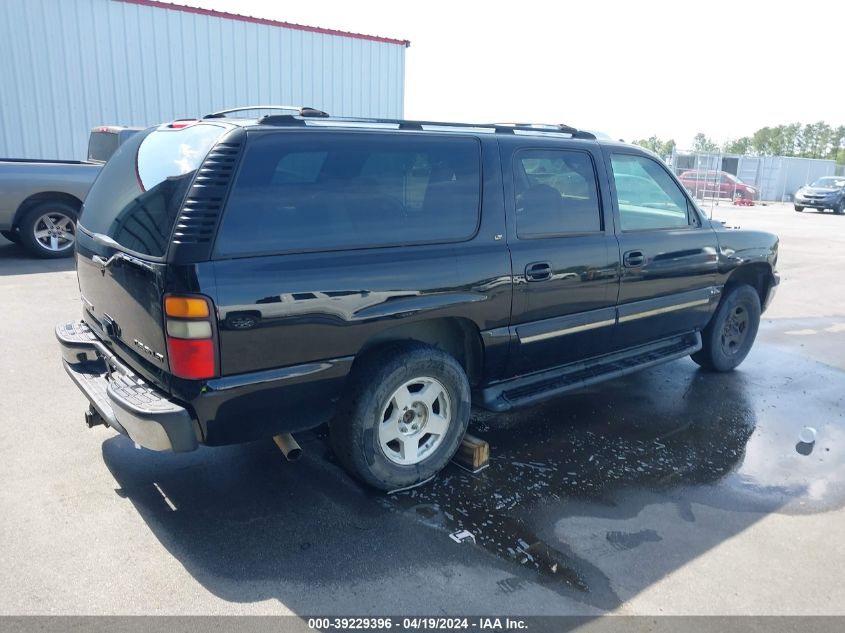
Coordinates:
[123,399]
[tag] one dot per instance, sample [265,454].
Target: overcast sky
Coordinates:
[630,69]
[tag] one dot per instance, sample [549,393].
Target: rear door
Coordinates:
[564,253]
[124,234]
[669,255]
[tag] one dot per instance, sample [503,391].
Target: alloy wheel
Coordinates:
[55,231]
[414,421]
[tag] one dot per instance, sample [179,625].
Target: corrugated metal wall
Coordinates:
[779,177]
[69,65]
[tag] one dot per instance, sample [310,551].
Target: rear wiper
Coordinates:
[105,240]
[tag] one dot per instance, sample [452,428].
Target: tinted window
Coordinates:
[556,193]
[101,145]
[648,197]
[138,193]
[300,167]
[316,191]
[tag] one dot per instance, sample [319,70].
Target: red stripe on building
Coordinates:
[246,18]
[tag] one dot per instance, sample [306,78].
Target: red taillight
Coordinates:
[190,337]
[178,124]
[193,359]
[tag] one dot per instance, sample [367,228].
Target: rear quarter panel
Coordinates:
[290,324]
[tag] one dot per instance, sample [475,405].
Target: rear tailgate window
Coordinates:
[137,195]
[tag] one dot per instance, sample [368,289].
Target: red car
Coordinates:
[717,184]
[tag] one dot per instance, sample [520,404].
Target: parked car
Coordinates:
[827,192]
[717,184]
[394,274]
[40,199]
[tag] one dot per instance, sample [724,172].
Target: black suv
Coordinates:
[243,278]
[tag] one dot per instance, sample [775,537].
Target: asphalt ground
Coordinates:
[671,491]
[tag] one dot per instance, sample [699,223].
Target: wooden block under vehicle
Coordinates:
[473,454]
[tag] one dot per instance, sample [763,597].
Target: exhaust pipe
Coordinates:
[290,449]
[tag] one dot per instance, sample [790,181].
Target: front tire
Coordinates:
[404,414]
[839,209]
[48,230]
[728,337]
[799,209]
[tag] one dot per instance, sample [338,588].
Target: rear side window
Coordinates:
[556,193]
[101,145]
[327,191]
[138,193]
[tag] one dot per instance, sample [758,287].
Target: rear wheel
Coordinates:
[799,209]
[49,230]
[728,337]
[404,415]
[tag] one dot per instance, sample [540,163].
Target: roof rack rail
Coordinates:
[432,126]
[300,110]
[540,128]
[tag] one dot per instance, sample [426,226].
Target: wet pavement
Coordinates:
[674,435]
[670,490]
[654,469]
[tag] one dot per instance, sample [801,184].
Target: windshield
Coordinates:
[139,192]
[829,182]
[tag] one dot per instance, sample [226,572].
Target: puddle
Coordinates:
[723,441]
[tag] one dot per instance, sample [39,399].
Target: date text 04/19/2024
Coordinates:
[418,623]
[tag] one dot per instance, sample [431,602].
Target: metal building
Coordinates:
[69,65]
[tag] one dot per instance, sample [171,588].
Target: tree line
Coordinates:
[813,140]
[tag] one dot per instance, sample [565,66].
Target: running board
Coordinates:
[527,390]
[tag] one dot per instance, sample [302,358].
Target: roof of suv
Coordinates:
[298,116]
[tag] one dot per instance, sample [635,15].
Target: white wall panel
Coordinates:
[69,65]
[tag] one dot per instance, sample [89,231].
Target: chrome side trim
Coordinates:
[664,310]
[565,331]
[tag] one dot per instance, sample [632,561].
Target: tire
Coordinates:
[48,230]
[728,337]
[799,209]
[12,236]
[374,430]
[839,209]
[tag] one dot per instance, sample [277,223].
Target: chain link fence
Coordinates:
[714,177]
